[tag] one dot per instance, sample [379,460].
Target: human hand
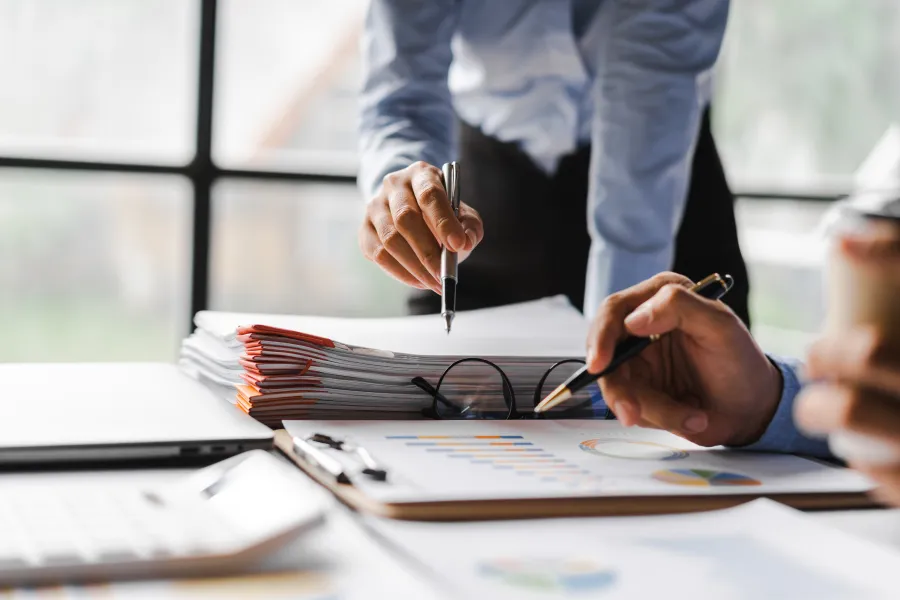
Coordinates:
[856,372]
[705,379]
[409,220]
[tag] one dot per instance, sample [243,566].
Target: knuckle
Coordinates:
[380,255]
[375,206]
[614,302]
[444,224]
[429,193]
[392,180]
[672,293]
[405,217]
[668,278]
[427,170]
[391,239]
[663,277]
[430,255]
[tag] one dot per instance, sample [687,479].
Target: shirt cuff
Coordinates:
[598,405]
[782,434]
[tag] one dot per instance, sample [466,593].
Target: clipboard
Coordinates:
[532,508]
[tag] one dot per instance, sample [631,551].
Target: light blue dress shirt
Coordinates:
[629,77]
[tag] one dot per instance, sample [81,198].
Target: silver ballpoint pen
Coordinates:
[449,261]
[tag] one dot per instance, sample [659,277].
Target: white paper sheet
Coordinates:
[547,327]
[761,550]
[453,460]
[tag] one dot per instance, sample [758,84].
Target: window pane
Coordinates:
[291,248]
[805,89]
[784,247]
[98,79]
[286,82]
[94,266]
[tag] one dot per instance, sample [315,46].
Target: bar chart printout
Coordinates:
[506,455]
[437,461]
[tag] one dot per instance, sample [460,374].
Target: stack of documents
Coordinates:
[278,367]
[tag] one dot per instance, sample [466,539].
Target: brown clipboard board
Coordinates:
[532,508]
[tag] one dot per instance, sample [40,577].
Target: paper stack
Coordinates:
[278,367]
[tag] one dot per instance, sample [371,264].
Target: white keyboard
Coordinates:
[216,518]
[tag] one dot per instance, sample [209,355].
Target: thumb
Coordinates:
[472,225]
[676,308]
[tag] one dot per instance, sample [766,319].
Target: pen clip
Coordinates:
[319,459]
[450,177]
[370,468]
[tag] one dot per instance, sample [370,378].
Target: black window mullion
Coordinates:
[201,170]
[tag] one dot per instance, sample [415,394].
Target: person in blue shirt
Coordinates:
[582,129]
[708,381]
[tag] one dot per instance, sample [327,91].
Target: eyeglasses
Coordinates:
[474,387]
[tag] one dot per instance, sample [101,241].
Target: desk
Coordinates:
[339,561]
[880,526]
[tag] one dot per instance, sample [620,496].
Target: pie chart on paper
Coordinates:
[631,449]
[703,478]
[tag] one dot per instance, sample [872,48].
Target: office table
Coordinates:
[339,560]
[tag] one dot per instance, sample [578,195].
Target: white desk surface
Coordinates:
[340,560]
[337,561]
[878,525]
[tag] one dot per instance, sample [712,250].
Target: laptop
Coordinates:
[116,412]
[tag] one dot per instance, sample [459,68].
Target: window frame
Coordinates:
[203,173]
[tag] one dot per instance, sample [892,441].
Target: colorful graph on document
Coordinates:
[506,453]
[572,575]
[704,478]
[631,449]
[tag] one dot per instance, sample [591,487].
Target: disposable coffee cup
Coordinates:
[857,295]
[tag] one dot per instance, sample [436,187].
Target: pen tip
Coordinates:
[448,321]
[557,396]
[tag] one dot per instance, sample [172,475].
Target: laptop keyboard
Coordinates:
[38,529]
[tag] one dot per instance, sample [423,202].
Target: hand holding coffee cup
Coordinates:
[854,394]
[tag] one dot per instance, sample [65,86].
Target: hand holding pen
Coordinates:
[712,288]
[705,378]
[408,222]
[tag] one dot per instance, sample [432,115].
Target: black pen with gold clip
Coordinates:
[713,288]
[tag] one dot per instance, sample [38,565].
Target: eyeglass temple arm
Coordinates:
[422,384]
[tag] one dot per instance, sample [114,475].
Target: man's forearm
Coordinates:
[406,113]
